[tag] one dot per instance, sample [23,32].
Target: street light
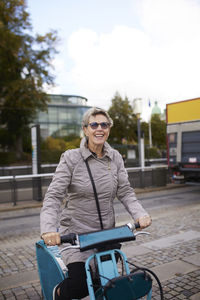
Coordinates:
[137,107]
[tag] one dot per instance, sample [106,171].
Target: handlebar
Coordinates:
[101,238]
[69,238]
[134,226]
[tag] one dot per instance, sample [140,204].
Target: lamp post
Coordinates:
[137,107]
[150,133]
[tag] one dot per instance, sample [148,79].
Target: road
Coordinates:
[27,221]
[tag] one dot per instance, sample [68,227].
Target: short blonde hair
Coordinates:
[93,112]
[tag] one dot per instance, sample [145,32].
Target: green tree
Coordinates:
[158,128]
[25,62]
[125,124]
[145,131]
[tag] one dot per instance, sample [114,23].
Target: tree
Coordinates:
[125,124]
[25,63]
[158,128]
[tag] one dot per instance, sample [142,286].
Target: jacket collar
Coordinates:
[86,152]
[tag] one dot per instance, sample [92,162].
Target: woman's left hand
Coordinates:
[144,221]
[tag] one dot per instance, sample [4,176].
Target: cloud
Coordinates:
[169,20]
[159,59]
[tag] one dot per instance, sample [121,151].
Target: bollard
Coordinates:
[37,188]
[14,190]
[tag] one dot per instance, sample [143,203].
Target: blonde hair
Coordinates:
[93,112]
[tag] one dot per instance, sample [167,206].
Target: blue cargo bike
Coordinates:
[113,278]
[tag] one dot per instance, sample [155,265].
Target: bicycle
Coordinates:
[112,282]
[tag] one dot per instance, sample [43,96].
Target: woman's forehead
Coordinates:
[98,118]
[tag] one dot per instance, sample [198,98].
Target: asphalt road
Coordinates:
[27,221]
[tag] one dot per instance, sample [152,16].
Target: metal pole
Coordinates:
[150,134]
[36,162]
[14,191]
[142,153]
[139,140]
[39,181]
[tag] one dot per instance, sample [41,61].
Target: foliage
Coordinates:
[10,158]
[73,144]
[152,153]
[53,144]
[52,148]
[51,157]
[145,131]
[72,141]
[124,131]
[7,158]
[125,124]
[158,128]
[59,144]
[24,64]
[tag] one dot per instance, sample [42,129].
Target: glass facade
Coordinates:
[63,116]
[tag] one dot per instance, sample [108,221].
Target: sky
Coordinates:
[147,49]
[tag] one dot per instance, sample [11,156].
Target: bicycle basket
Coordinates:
[129,287]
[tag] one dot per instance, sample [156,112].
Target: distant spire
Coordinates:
[156,109]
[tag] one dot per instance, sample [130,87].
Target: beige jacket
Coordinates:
[71,180]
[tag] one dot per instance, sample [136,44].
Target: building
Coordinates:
[157,111]
[63,116]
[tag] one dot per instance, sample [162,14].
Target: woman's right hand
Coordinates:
[51,238]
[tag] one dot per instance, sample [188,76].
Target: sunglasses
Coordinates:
[95,125]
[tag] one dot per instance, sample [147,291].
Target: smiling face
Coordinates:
[98,136]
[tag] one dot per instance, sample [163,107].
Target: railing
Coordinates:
[33,187]
[50,168]
[25,187]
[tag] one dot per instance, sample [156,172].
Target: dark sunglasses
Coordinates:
[95,125]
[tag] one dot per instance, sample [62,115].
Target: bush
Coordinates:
[152,153]
[52,148]
[7,158]
[50,156]
[10,158]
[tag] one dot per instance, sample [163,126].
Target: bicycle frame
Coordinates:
[52,271]
[107,271]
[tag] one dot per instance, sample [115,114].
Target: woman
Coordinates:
[71,180]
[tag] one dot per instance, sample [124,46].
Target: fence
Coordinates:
[50,168]
[33,187]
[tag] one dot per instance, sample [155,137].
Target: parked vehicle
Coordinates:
[183,140]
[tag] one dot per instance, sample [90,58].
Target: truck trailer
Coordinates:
[183,140]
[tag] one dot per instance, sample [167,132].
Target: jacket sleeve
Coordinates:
[126,194]
[50,212]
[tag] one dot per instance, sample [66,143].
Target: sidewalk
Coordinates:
[172,251]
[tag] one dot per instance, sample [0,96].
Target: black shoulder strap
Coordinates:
[95,193]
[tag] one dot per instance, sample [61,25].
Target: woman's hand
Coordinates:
[144,221]
[51,238]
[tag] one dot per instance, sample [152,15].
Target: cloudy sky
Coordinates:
[141,48]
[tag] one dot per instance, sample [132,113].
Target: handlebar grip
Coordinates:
[133,226]
[68,238]
[137,225]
